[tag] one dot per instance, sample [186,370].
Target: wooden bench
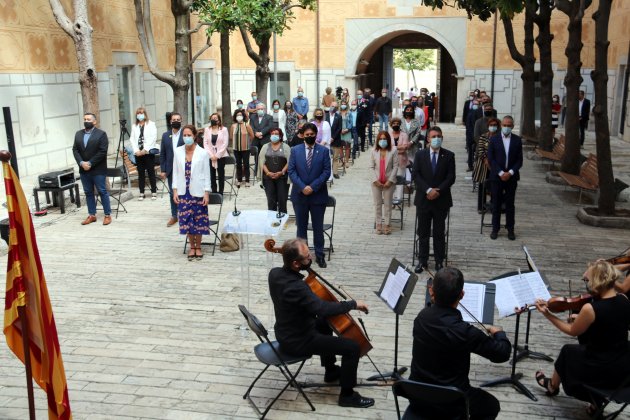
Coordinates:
[556,154]
[588,179]
[132,170]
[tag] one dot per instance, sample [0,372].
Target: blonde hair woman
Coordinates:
[143,140]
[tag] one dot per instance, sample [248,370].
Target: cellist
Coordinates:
[602,359]
[301,327]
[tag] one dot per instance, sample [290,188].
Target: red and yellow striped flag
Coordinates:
[26,286]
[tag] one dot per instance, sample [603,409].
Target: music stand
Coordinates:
[490,292]
[388,285]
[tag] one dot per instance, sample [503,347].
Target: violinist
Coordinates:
[602,359]
[442,344]
[301,327]
[623,285]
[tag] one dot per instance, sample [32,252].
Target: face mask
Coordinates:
[382,143]
[254,98]
[306,266]
[475,107]
[319,117]
[359,97]
[276,107]
[239,106]
[396,128]
[344,107]
[239,118]
[556,100]
[300,94]
[188,140]
[487,113]
[436,142]
[140,117]
[353,108]
[88,125]
[506,130]
[470,98]
[260,112]
[176,124]
[214,122]
[492,128]
[288,105]
[408,114]
[332,109]
[383,93]
[275,138]
[414,103]
[310,140]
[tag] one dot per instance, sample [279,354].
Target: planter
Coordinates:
[589,216]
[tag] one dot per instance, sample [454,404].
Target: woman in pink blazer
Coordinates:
[384,166]
[215,142]
[400,141]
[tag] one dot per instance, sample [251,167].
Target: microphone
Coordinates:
[236,212]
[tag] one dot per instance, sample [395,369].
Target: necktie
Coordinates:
[309,158]
[141,138]
[433,161]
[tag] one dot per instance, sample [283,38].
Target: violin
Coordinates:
[562,304]
[623,258]
[343,325]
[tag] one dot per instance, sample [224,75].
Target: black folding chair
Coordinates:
[429,394]
[329,228]
[116,194]
[621,395]
[214,199]
[269,354]
[229,179]
[253,152]
[398,203]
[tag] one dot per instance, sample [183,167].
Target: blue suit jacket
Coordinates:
[496,156]
[166,152]
[316,177]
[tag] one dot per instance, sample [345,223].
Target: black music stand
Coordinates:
[490,292]
[399,309]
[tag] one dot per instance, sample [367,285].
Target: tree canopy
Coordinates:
[412,59]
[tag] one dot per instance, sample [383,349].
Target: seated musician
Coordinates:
[301,327]
[442,344]
[602,359]
[623,284]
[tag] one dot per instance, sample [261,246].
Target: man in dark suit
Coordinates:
[364,115]
[171,140]
[309,169]
[334,119]
[261,124]
[585,111]
[467,106]
[434,174]
[90,152]
[505,155]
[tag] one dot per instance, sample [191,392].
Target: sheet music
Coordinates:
[474,296]
[394,286]
[539,288]
[519,290]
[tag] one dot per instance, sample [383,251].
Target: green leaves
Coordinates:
[483,9]
[414,59]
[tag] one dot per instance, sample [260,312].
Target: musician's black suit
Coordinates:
[435,210]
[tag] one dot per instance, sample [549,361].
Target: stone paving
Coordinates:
[146,334]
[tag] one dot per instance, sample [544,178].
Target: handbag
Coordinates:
[154,151]
[229,242]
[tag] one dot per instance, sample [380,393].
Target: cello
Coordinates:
[343,325]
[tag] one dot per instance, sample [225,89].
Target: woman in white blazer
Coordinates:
[279,116]
[143,141]
[215,141]
[191,190]
[384,165]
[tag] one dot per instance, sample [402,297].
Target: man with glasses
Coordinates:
[171,140]
[301,327]
[505,155]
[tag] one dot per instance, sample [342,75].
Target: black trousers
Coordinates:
[242,165]
[327,346]
[583,125]
[437,217]
[277,191]
[220,169]
[146,163]
[503,194]
[361,130]
[482,406]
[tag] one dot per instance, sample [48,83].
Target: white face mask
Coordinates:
[239,118]
[140,117]
[492,128]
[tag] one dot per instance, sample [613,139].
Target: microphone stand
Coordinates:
[236,212]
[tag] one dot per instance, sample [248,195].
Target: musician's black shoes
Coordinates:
[511,235]
[420,268]
[494,234]
[356,400]
[321,262]
[438,266]
[332,374]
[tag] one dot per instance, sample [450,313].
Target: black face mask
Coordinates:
[319,117]
[214,122]
[306,266]
[487,113]
[310,140]
[408,114]
[88,125]
[396,128]
[176,124]
[413,104]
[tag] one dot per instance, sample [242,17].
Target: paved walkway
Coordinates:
[146,334]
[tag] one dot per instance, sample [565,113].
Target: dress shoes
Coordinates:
[90,219]
[494,235]
[438,266]
[511,235]
[355,400]
[171,221]
[420,268]
[321,262]
[107,220]
[336,176]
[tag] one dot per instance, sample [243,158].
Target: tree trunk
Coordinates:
[543,40]
[225,78]
[606,203]
[414,77]
[262,68]
[182,61]
[572,81]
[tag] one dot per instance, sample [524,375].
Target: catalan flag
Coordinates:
[26,286]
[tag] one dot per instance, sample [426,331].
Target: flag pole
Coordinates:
[5,156]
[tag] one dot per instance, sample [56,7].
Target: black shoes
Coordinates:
[356,400]
[511,235]
[438,266]
[494,234]
[420,267]
[332,374]
[336,176]
[321,262]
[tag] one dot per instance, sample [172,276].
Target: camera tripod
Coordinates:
[121,140]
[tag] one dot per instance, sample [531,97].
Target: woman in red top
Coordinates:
[556,108]
[384,165]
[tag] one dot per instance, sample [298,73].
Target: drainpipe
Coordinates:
[494,55]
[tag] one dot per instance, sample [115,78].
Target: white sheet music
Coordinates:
[519,290]
[394,286]
[474,297]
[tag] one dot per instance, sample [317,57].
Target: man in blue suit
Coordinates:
[309,169]
[170,141]
[505,155]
